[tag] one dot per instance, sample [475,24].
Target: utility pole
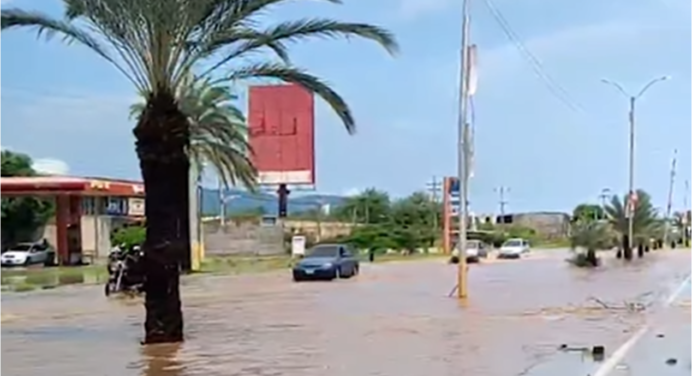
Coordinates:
[604,196]
[631,197]
[669,206]
[463,150]
[435,188]
[502,201]
[686,224]
[222,204]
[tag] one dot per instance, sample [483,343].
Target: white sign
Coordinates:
[135,207]
[284,177]
[298,245]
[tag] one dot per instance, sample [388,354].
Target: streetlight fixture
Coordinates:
[632,102]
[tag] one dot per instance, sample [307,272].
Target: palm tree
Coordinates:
[645,223]
[156,44]
[591,236]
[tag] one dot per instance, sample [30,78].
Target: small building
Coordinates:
[87,210]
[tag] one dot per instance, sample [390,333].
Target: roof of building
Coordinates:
[52,185]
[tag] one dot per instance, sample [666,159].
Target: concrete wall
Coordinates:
[96,235]
[242,239]
[317,230]
[548,224]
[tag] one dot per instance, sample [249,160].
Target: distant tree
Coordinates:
[588,212]
[369,207]
[22,216]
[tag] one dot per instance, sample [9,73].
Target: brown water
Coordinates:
[394,319]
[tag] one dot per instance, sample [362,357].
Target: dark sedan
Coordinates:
[327,262]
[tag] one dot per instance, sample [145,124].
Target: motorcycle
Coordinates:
[124,271]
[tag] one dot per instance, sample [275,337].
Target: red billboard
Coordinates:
[282,134]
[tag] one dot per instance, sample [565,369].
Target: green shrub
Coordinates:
[129,236]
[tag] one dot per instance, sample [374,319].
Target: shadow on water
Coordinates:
[29,279]
[391,320]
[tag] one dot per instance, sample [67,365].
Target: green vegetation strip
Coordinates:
[23,280]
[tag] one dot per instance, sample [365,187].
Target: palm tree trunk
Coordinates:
[627,250]
[591,257]
[162,135]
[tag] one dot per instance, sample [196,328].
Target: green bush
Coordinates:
[129,236]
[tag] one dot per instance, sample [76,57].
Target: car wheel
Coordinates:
[296,278]
[107,289]
[356,270]
[351,274]
[27,262]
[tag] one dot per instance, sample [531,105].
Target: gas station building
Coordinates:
[87,210]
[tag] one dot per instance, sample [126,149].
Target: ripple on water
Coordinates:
[396,320]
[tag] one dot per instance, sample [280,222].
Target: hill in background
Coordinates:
[244,201]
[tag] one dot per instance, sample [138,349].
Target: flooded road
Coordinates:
[394,319]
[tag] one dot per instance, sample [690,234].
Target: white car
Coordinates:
[24,254]
[475,250]
[514,248]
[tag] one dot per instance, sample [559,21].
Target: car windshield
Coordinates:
[512,243]
[21,248]
[324,251]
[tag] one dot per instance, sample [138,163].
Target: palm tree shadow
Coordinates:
[162,360]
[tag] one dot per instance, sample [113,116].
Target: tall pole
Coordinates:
[434,187]
[605,194]
[632,104]
[222,203]
[686,224]
[462,151]
[630,202]
[501,190]
[669,205]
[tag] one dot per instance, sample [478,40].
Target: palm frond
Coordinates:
[299,77]
[276,36]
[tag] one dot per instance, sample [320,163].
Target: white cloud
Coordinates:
[51,166]
[352,192]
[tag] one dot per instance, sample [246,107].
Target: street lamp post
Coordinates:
[632,104]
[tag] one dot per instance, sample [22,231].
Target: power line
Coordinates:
[553,86]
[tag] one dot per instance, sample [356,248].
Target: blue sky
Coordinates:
[64,105]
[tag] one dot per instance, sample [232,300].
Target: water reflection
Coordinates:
[31,279]
[391,320]
[161,360]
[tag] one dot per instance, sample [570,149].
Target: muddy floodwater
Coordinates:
[393,319]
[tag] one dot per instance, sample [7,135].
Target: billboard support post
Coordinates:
[283,192]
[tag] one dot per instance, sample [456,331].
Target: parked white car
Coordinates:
[475,250]
[24,254]
[514,248]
